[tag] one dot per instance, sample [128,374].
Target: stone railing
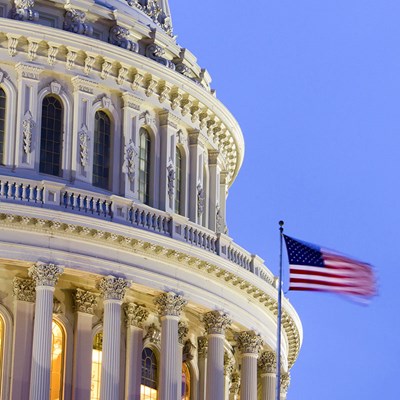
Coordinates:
[53,195]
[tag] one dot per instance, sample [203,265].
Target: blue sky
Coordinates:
[315,86]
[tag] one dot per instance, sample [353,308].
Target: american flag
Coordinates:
[318,269]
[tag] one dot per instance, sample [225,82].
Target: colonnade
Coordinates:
[212,360]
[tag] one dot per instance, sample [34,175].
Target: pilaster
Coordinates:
[214,192]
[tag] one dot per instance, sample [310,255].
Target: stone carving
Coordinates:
[84,139]
[176,101]
[122,75]
[32,49]
[137,80]
[196,110]
[89,61]
[181,137]
[2,75]
[55,87]
[83,85]
[119,37]
[228,364]
[219,220]
[27,132]
[249,342]
[170,304]
[52,53]
[71,57]
[57,307]
[45,274]
[202,348]
[156,53]
[85,301]
[216,322]
[135,314]
[23,10]
[113,288]
[235,383]
[183,330]
[171,180]
[151,87]
[24,289]
[12,44]
[285,381]
[106,67]
[148,118]
[153,334]
[74,21]
[200,200]
[131,153]
[164,93]
[188,351]
[183,69]
[186,104]
[106,102]
[267,362]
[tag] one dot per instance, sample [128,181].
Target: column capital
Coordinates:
[216,322]
[85,301]
[202,348]
[113,288]
[135,314]
[249,342]
[183,330]
[45,274]
[267,362]
[24,289]
[170,304]
[285,381]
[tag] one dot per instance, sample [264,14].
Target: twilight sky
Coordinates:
[315,86]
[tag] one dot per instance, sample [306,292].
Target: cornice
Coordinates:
[156,251]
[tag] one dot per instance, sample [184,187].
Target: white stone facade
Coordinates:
[134,247]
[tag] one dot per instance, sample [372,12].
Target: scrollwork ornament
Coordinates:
[135,314]
[131,153]
[45,274]
[84,139]
[85,301]
[27,132]
[170,304]
[171,180]
[24,289]
[249,342]
[267,362]
[216,322]
[113,288]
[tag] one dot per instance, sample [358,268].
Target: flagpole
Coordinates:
[279,322]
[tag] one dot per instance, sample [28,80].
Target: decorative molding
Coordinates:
[55,87]
[151,85]
[28,71]
[27,132]
[219,221]
[106,102]
[170,304]
[132,101]
[202,346]
[32,48]
[113,288]
[176,100]
[171,180]
[148,118]
[216,322]
[12,43]
[131,154]
[186,104]
[235,383]
[85,301]
[84,139]
[52,52]
[74,21]
[119,37]
[153,334]
[183,330]
[155,52]
[135,314]
[123,72]
[89,62]
[267,362]
[181,137]
[164,93]
[137,81]
[71,57]
[45,274]
[229,364]
[24,289]
[106,67]
[200,200]
[83,84]
[285,381]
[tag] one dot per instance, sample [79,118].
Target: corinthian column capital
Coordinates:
[267,362]
[249,342]
[113,288]
[170,304]
[135,314]
[45,274]
[85,301]
[24,289]
[216,322]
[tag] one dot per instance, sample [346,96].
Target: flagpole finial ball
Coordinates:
[281,223]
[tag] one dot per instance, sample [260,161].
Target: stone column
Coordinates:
[285,382]
[169,306]
[45,277]
[24,306]
[136,315]
[215,323]
[85,303]
[235,386]
[214,195]
[113,291]
[182,333]
[202,361]
[249,344]
[267,364]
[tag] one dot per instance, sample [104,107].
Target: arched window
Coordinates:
[148,388]
[185,382]
[102,150]
[57,362]
[51,136]
[144,166]
[178,181]
[2,123]
[96,366]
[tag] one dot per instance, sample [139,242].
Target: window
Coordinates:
[96,366]
[2,123]
[178,181]
[144,166]
[51,136]
[148,388]
[57,362]
[185,382]
[102,150]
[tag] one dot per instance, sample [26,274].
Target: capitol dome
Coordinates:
[118,277]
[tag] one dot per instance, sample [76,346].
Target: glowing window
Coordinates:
[96,366]
[102,150]
[2,122]
[144,166]
[178,180]
[51,136]
[185,382]
[57,362]
[148,388]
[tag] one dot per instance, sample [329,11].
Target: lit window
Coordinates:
[57,362]
[178,180]
[144,166]
[185,382]
[148,388]
[96,366]
[2,123]
[51,136]
[102,150]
